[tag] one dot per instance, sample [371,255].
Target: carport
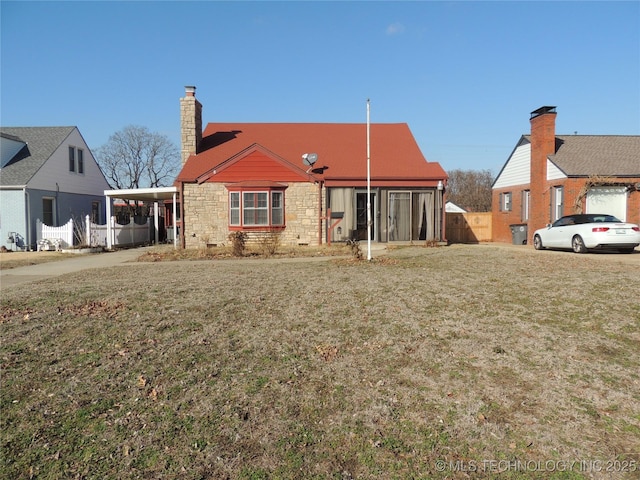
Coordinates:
[142,195]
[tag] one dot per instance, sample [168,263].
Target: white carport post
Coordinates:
[175,223]
[109,241]
[155,221]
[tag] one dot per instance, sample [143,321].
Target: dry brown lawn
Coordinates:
[22,259]
[456,362]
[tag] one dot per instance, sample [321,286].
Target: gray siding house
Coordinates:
[46,173]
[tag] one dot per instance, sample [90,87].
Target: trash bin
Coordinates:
[519,234]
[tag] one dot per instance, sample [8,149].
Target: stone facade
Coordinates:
[206,215]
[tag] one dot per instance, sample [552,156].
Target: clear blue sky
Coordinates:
[463,75]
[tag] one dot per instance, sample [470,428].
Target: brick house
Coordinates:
[548,176]
[252,177]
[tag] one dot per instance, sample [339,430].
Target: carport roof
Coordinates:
[143,194]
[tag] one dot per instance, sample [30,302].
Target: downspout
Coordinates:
[320,212]
[28,216]
[443,213]
[175,223]
[57,217]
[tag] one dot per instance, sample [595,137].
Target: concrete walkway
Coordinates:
[21,275]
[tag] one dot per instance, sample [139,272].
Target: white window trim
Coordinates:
[237,209]
[241,209]
[526,199]
[506,203]
[558,203]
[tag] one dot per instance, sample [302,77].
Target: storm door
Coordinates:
[361,216]
[422,214]
[399,216]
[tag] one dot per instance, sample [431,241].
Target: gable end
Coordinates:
[255,163]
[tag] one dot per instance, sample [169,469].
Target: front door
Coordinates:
[361,216]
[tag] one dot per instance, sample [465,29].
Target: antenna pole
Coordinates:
[368,184]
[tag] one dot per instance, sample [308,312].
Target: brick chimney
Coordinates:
[190,123]
[543,144]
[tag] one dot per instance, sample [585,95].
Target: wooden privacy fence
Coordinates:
[92,235]
[468,227]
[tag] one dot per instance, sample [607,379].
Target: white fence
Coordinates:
[93,235]
[61,236]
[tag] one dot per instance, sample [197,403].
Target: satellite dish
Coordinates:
[309,158]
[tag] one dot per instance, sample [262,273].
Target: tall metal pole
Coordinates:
[368,185]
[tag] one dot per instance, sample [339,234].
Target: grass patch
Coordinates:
[328,369]
[9,260]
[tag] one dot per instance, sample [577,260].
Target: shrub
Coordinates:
[356,251]
[238,243]
[270,243]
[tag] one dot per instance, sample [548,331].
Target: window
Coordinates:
[256,208]
[557,203]
[80,161]
[76,160]
[505,202]
[277,208]
[95,212]
[526,196]
[72,159]
[234,208]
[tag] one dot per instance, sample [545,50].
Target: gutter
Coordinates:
[320,216]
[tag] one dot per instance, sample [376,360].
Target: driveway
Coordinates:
[605,255]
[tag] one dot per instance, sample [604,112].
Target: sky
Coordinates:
[464,75]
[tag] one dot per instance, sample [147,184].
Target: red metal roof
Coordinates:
[396,159]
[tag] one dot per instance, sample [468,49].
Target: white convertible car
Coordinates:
[584,232]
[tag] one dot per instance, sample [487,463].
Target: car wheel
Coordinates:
[578,244]
[537,243]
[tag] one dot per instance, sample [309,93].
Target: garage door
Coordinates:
[609,200]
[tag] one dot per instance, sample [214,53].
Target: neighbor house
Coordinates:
[46,173]
[548,176]
[306,182]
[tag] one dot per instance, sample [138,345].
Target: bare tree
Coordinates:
[470,189]
[134,157]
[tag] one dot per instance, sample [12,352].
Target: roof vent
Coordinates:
[542,111]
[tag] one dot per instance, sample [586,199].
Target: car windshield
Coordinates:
[561,222]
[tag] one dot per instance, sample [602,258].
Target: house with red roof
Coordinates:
[307,182]
[548,176]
